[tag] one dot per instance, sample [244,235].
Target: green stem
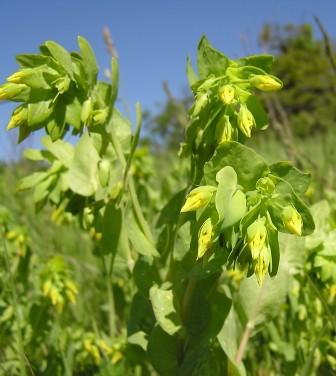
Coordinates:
[110,298]
[131,186]
[187,298]
[14,302]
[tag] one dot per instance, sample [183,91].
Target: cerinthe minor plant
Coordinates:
[227,218]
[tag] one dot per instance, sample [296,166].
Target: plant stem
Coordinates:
[130,182]
[188,297]
[110,299]
[14,302]
[249,327]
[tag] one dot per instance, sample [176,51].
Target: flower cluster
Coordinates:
[256,216]
[56,284]
[56,89]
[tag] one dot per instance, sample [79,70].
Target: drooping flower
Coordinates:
[292,220]
[19,117]
[204,238]
[266,82]
[223,129]
[261,264]
[197,198]
[227,94]
[246,121]
[256,237]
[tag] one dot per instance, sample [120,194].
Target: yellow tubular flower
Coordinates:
[292,220]
[197,198]
[227,94]
[256,237]
[223,130]
[117,356]
[246,121]
[265,82]
[261,264]
[92,350]
[18,118]
[9,90]
[204,238]
[17,77]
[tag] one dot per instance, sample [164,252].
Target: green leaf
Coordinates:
[263,62]
[83,172]
[139,339]
[32,180]
[213,265]
[141,317]
[62,150]
[210,60]
[89,60]
[56,126]
[111,231]
[285,196]
[39,112]
[228,338]
[258,112]
[139,241]
[230,202]
[73,113]
[42,190]
[164,310]
[145,275]
[248,165]
[297,179]
[162,352]
[33,154]
[171,210]
[191,75]
[122,130]
[61,55]
[32,60]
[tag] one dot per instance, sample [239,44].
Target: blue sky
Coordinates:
[152,38]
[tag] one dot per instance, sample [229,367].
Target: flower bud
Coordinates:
[256,237]
[197,198]
[88,218]
[204,238]
[246,121]
[104,172]
[21,76]
[265,82]
[223,129]
[18,118]
[62,84]
[100,116]
[292,220]
[32,77]
[227,94]
[265,185]
[11,91]
[261,264]
[86,113]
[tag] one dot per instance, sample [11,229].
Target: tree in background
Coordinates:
[308,97]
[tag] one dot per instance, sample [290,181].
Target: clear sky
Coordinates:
[152,38]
